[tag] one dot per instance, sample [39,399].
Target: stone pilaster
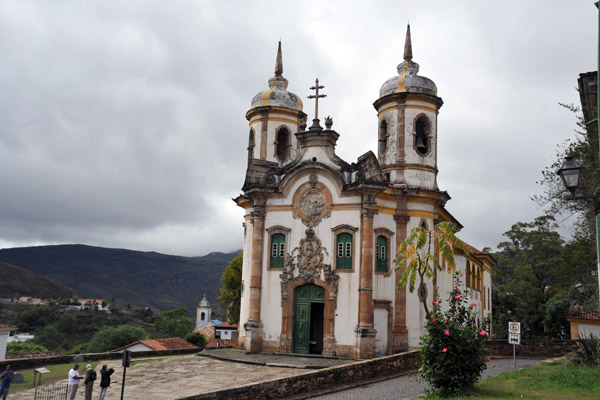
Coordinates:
[254,326]
[365,332]
[400,331]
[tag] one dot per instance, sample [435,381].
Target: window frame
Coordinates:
[337,231]
[273,231]
[388,235]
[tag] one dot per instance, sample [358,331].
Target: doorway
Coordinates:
[309,312]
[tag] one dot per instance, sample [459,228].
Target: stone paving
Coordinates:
[182,376]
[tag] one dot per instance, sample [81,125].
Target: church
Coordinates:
[321,234]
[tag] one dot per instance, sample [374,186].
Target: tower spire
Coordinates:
[408,45]
[279,62]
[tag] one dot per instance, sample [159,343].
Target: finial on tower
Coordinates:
[408,45]
[279,62]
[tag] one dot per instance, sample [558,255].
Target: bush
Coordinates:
[24,348]
[453,351]
[197,339]
[587,352]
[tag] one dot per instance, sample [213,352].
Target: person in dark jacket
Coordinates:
[104,380]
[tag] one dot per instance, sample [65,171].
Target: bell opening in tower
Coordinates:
[422,135]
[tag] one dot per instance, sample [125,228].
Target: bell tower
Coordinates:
[274,117]
[407,111]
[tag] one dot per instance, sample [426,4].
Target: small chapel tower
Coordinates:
[274,118]
[203,312]
[407,108]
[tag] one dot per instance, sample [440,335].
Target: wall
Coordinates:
[531,348]
[28,363]
[318,380]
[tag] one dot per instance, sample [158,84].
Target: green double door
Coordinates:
[309,307]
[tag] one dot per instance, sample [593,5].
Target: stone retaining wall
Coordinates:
[531,348]
[28,363]
[361,371]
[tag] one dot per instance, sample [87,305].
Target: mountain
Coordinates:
[140,278]
[16,282]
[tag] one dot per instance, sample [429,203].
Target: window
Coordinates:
[383,136]
[344,251]
[251,144]
[277,250]
[422,135]
[282,144]
[382,254]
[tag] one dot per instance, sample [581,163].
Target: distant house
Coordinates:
[157,344]
[221,334]
[583,324]
[31,300]
[5,331]
[92,303]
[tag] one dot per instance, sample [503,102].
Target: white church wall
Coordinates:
[381,326]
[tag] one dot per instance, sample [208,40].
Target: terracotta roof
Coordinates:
[8,326]
[226,325]
[592,316]
[473,250]
[162,344]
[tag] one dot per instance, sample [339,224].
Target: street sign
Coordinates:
[514,338]
[514,327]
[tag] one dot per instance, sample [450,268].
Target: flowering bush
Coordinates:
[453,350]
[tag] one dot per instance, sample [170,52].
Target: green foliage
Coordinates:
[50,337]
[110,338]
[529,265]
[560,305]
[24,348]
[145,314]
[81,348]
[197,339]
[587,352]
[416,259]
[453,350]
[231,289]
[174,323]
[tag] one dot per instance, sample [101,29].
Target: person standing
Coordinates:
[104,380]
[7,377]
[90,377]
[74,379]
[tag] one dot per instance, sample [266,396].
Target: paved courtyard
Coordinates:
[177,377]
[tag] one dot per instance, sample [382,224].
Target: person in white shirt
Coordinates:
[74,379]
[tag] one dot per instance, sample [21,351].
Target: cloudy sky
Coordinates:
[123,123]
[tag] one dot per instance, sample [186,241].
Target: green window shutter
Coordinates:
[277,250]
[344,251]
[381,260]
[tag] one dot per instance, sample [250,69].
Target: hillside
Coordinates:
[140,278]
[16,282]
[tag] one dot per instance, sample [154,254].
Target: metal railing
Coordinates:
[57,391]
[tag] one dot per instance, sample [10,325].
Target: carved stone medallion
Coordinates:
[312,203]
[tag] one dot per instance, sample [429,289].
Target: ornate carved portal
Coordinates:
[305,265]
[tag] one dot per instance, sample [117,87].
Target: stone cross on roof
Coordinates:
[316,96]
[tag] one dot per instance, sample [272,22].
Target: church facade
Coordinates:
[320,234]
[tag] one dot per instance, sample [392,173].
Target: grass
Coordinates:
[553,380]
[57,372]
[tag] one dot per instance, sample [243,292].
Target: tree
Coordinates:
[174,323]
[196,338]
[416,257]
[110,338]
[24,348]
[231,289]
[529,265]
[51,338]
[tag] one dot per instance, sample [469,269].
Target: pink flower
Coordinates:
[458,297]
[434,320]
[483,333]
[444,350]
[489,359]
[468,341]
[437,303]
[445,320]
[447,332]
[427,332]
[474,304]
[460,272]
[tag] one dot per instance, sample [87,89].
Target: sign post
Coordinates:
[514,338]
[126,363]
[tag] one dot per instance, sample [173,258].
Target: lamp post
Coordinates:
[569,173]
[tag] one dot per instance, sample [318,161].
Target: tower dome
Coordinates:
[407,79]
[277,94]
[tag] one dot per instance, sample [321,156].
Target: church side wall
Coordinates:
[245,303]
